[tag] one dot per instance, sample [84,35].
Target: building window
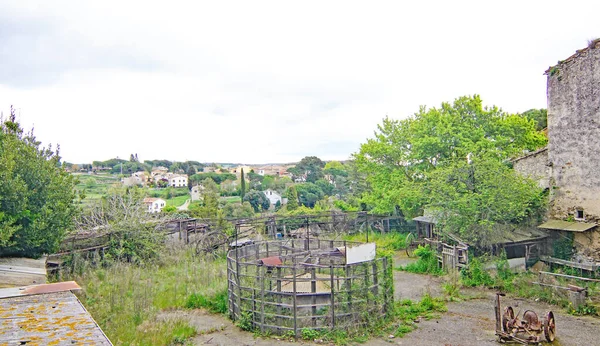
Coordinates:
[579,214]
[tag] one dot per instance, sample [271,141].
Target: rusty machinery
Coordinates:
[527,330]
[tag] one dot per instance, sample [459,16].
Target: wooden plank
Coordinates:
[570,276]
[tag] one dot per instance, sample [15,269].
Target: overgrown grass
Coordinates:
[426,264]
[216,303]
[386,243]
[126,299]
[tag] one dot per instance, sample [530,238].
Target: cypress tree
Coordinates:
[243,188]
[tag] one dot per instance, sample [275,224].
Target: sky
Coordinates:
[267,81]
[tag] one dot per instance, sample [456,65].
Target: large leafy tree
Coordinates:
[36,195]
[406,162]
[257,200]
[312,166]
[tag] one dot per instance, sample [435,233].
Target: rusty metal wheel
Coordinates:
[507,319]
[211,243]
[532,320]
[550,327]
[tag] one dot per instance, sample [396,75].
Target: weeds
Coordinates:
[426,264]
[216,303]
[125,299]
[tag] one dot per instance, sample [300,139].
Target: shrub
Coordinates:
[475,275]
[426,264]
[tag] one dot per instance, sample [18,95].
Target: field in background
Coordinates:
[94,185]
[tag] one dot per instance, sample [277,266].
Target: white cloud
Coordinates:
[266,81]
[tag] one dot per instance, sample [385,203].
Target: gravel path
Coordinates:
[466,323]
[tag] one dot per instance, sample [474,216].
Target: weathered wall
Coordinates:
[574,134]
[535,166]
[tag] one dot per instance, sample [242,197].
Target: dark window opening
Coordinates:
[579,214]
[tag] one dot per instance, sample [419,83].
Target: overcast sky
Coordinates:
[259,82]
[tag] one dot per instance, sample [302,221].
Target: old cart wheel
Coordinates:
[507,318]
[532,320]
[211,243]
[550,327]
[410,244]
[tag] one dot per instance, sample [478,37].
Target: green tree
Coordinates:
[257,200]
[540,116]
[292,196]
[407,159]
[312,166]
[36,194]
[243,185]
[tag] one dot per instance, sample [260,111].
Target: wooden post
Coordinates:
[332,298]
[385,289]
[313,290]
[262,299]
[278,294]
[294,300]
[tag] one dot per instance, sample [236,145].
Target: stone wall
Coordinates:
[574,134]
[535,166]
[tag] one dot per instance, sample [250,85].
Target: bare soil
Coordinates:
[469,322]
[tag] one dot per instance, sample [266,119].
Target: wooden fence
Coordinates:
[285,286]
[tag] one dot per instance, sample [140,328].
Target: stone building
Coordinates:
[535,166]
[570,164]
[574,135]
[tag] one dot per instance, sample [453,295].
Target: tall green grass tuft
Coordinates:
[426,264]
[386,243]
[216,303]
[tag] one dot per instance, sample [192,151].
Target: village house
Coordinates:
[274,197]
[569,165]
[196,192]
[154,205]
[177,180]
[136,179]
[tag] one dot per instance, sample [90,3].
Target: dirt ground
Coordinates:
[466,323]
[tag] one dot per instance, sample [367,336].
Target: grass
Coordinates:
[426,264]
[177,201]
[231,199]
[126,299]
[94,186]
[386,243]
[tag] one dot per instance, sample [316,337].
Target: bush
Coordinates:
[426,264]
[475,275]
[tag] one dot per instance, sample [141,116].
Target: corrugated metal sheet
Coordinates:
[271,261]
[560,225]
[428,219]
[39,318]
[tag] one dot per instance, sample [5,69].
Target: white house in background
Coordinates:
[273,196]
[196,192]
[154,205]
[178,180]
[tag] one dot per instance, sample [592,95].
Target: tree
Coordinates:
[292,196]
[404,164]
[136,235]
[36,194]
[257,200]
[540,116]
[243,185]
[312,165]
[190,172]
